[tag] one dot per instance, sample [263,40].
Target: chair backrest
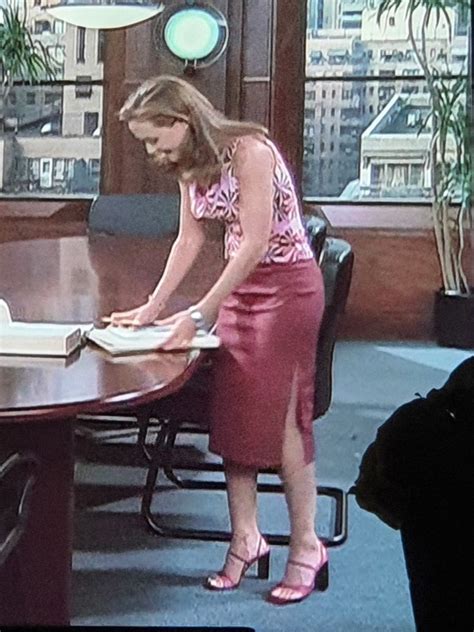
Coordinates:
[316,229]
[141,215]
[336,264]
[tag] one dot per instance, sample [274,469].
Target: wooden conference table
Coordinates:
[74,279]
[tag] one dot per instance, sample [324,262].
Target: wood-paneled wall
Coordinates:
[396,269]
[394,280]
[259,78]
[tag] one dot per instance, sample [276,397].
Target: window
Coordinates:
[58,27]
[51,97]
[368,78]
[42,26]
[91,122]
[100,47]
[83,87]
[46,173]
[80,45]
[56,124]
[58,171]
[376,175]
[94,168]
[416,175]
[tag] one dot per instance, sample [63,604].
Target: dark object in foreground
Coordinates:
[454,319]
[418,476]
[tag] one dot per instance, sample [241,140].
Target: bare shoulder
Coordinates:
[252,152]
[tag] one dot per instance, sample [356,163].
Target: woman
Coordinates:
[268,304]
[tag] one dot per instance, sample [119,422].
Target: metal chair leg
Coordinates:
[163,457]
[143,421]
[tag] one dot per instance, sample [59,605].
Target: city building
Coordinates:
[338,111]
[52,134]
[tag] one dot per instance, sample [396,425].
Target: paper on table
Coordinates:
[121,340]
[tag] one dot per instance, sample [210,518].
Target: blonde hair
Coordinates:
[165,99]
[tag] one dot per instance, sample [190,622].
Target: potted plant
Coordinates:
[22,59]
[449,164]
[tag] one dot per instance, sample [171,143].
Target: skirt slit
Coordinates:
[269,329]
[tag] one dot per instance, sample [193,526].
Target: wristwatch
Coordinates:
[198,319]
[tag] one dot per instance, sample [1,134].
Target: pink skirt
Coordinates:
[269,331]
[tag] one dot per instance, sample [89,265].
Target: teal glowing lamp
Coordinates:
[195,34]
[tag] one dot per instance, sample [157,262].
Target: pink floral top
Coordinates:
[288,241]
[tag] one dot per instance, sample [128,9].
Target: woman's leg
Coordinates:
[242,501]
[300,493]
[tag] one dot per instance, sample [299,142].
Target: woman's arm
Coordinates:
[184,251]
[253,166]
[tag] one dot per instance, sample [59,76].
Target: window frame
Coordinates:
[367,79]
[8,197]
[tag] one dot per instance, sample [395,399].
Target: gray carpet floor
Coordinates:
[124,575]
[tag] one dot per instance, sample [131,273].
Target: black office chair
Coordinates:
[17,478]
[317,231]
[186,412]
[140,215]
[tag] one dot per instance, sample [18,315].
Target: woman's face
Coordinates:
[164,144]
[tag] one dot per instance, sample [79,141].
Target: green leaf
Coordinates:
[21,58]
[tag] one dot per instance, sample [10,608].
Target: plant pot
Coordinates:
[454,319]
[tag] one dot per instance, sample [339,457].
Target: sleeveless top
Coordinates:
[288,241]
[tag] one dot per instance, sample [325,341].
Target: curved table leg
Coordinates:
[35,582]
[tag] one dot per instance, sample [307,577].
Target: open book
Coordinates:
[38,339]
[122,341]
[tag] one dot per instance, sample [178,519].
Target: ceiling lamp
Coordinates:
[105,14]
[196,34]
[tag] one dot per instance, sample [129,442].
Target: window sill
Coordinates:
[386,217]
[44,208]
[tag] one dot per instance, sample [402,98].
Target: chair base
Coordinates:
[162,459]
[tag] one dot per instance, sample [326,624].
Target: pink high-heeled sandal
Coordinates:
[263,568]
[320,581]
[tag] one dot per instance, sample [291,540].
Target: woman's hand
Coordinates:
[182,332]
[138,317]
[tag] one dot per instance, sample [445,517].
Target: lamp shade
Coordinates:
[105,14]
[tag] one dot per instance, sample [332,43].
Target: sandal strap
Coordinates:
[303,565]
[231,553]
[228,583]
[296,587]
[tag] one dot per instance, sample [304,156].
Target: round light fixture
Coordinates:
[196,34]
[191,34]
[105,14]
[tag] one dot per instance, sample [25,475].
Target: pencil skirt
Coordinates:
[269,330]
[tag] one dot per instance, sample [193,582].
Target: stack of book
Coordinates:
[56,339]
